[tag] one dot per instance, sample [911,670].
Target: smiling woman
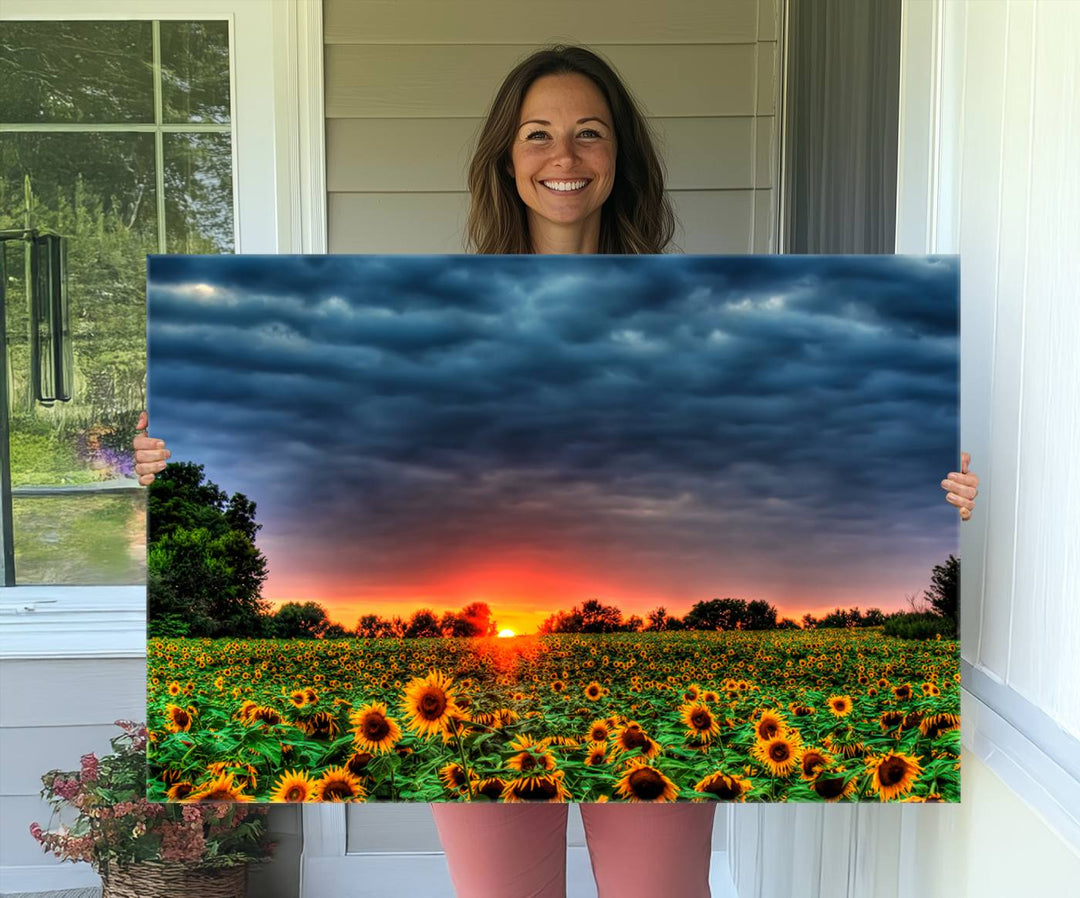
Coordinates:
[563,162]
[563,116]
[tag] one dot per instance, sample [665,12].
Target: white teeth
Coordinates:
[564,185]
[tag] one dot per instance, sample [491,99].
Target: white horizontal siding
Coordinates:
[407,81]
[432,154]
[709,221]
[518,22]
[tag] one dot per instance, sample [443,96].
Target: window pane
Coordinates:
[98,191]
[198,193]
[81,540]
[76,72]
[195,71]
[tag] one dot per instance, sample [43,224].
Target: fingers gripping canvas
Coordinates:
[553,528]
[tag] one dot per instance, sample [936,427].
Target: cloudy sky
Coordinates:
[533,431]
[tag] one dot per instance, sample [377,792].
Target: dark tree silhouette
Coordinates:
[300,621]
[944,592]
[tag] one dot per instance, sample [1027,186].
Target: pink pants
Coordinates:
[519,850]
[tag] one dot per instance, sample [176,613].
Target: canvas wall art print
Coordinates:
[553,528]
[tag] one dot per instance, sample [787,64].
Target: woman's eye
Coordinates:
[533,134]
[589,132]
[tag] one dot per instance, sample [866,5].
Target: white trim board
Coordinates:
[1024,766]
[39,622]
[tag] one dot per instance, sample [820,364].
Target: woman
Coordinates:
[565,164]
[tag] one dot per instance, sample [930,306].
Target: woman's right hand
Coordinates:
[150,454]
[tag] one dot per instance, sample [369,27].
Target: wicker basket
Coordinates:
[157,880]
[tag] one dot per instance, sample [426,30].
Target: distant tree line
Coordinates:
[205,576]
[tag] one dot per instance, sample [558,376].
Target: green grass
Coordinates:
[81,539]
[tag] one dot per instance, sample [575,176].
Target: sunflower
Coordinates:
[357,764]
[840,705]
[220,788]
[845,742]
[595,757]
[298,698]
[812,762]
[179,719]
[890,719]
[293,786]
[264,715]
[903,693]
[430,703]
[642,782]
[630,736]
[547,787]
[594,691]
[699,720]
[454,778]
[936,724]
[892,774]
[310,694]
[338,784]
[487,719]
[320,725]
[781,754]
[558,686]
[174,688]
[833,786]
[507,716]
[179,791]
[769,725]
[599,731]
[530,755]
[372,729]
[725,786]
[491,787]
[911,720]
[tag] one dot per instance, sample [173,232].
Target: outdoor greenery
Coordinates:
[98,189]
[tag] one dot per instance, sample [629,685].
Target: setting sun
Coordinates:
[503,633]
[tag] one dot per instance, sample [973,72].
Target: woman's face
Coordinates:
[563,155]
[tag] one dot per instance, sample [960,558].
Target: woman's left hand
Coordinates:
[962,487]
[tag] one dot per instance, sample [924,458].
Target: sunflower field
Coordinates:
[793,715]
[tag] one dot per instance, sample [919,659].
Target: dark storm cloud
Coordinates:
[650,406]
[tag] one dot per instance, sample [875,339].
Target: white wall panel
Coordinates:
[1045,619]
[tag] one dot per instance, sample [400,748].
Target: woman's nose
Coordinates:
[564,150]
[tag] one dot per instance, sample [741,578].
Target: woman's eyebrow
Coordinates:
[580,121]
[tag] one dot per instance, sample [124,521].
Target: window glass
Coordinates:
[195,71]
[65,72]
[78,512]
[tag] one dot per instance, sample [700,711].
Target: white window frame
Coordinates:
[279,197]
[1036,757]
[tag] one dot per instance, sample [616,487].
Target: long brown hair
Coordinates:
[637,217]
